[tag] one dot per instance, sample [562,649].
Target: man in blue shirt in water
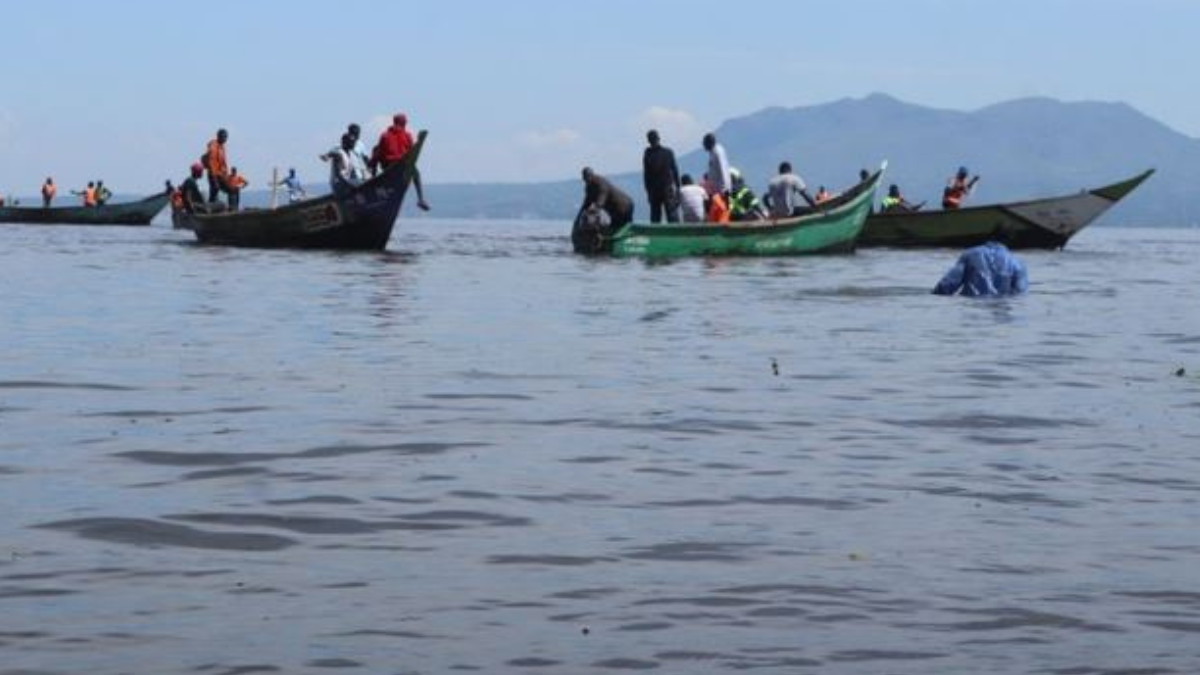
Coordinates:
[985,270]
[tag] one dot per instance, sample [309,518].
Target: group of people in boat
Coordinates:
[95,194]
[349,162]
[723,196]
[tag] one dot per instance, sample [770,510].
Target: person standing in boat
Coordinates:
[986,270]
[958,188]
[360,158]
[719,179]
[49,190]
[691,200]
[233,187]
[660,175]
[393,145]
[344,172]
[782,193]
[217,164]
[294,187]
[88,194]
[103,194]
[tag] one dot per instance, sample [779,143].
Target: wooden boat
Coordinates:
[832,229]
[359,219]
[1040,223]
[128,213]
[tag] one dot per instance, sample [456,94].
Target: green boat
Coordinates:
[1040,223]
[832,229]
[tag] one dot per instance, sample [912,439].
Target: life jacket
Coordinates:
[718,210]
[176,200]
[742,203]
[823,196]
[954,194]
[214,159]
[889,203]
[89,196]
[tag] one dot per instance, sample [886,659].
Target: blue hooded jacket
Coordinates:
[985,270]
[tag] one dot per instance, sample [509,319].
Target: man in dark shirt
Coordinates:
[193,199]
[605,210]
[660,174]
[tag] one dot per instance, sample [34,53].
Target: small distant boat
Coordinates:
[127,213]
[361,218]
[834,228]
[1040,223]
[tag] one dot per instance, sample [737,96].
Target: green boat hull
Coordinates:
[833,230]
[1041,223]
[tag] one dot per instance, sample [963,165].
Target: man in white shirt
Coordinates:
[782,192]
[718,166]
[691,200]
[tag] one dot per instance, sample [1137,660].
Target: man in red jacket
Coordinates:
[394,144]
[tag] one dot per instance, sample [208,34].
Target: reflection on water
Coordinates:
[479,453]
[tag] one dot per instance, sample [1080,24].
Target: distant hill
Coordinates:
[1023,149]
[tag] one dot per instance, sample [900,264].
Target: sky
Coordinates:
[528,90]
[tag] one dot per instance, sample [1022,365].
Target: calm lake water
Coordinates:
[479,453]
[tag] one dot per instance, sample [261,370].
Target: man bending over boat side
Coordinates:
[605,209]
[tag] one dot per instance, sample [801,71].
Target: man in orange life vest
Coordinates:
[218,166]
[88,194]
[394,144]
[957,189]
[48,192]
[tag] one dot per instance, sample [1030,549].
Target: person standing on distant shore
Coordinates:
[660,175]
[48,192]
[719,180]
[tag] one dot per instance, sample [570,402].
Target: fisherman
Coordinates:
[605,209]
[958,189]
[743,203]
[343,170]
[360,159]
[718,166]
[233,187]
[393,145]
[215,162]
[691,200]
[823,195]
[660,175]
[986,270]
[88,194]
[782,192]
[894,202]
[190,197]
[295,188]
[103,194]
[49,190]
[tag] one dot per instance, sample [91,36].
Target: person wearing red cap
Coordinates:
[191,198]
[394,144]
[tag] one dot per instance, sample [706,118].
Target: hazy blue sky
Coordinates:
[130,91]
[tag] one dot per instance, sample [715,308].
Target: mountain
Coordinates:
[1026,148]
